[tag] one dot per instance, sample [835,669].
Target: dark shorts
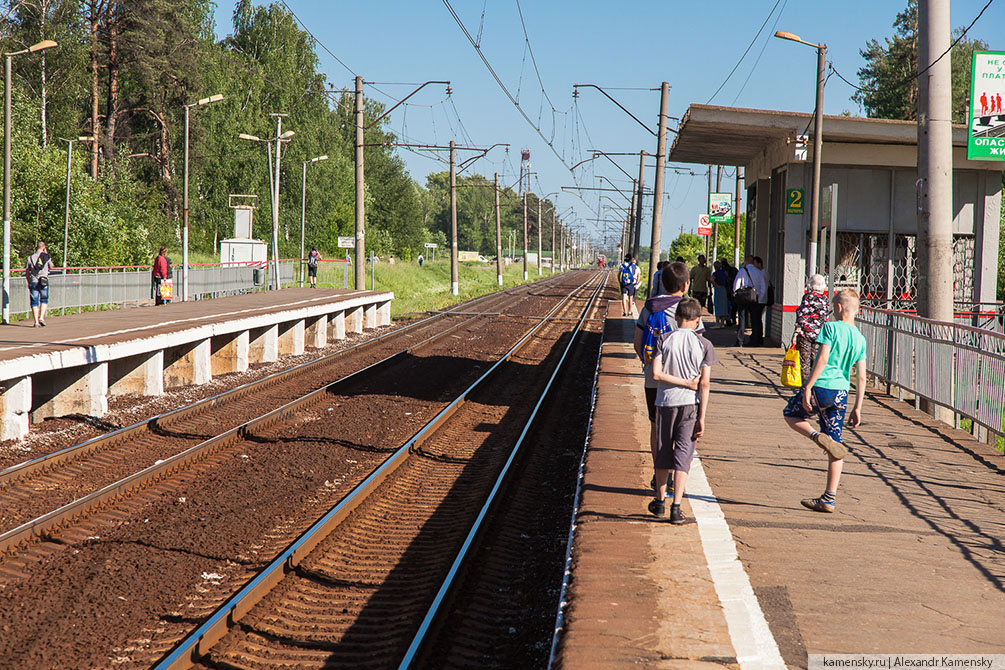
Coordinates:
[628,290]
[38,294]
[651,403]
[312,271]
[675,437]
[829,406]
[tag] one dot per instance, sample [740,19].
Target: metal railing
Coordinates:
[987,315]
[92,288]
[960,367]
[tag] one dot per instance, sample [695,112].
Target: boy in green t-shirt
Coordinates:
[842,347]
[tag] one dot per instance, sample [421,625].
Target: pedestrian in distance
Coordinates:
[36,272]
[420,259]
[682,370]
[162,280]
[825,394]
[720,299]
[731,272]
[750,294]
[628,279]
[313,259]
[813,311]
[657,282]
[701,279]
[655,322]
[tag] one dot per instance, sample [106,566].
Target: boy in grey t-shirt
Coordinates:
[682,370]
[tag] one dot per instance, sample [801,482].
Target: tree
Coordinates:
[689,246]
[889,79]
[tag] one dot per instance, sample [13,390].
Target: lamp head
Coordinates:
[785,35]
[319,158]
[250,138]
[210,99]
[89,138]
[41,46]
[287,135]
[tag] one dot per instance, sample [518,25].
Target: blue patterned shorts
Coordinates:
[829,406]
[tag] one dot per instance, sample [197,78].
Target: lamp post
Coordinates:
[274,186]
[303,212]
[184,206]
[41,46]
[818,119]
[66,210]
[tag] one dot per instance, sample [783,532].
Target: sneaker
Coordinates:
[819,504]
[677,517]
[657,507]
[42,323]
[831,446]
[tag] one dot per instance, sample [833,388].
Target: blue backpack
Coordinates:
[656,327]
[626,275]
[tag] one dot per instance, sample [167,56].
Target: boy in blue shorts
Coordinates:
[842,347]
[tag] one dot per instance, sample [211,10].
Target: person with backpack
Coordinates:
[36,272]
[657,320]
[162,281]
[628,278]
[312,266]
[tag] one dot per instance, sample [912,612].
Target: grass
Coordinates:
[421,289]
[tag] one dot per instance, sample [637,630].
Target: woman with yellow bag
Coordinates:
[811,314]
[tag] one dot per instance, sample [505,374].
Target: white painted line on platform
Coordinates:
[161,324]
[753,642]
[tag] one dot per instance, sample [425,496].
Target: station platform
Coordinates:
[73,364]
[912,561]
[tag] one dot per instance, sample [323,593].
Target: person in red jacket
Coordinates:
[161,274]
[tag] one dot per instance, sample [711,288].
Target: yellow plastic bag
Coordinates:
[792,371]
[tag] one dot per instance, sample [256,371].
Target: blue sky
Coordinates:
[626,44]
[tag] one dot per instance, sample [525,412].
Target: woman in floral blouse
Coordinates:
[811,314]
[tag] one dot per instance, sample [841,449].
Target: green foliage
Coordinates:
[688,245]
[891,89]
[725,246]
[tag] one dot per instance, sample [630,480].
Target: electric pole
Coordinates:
[539,237]
[638,204]
[736,219]
[661,157]
[553,254]
[454,280]
[360,282]
[525,235]
[715,226]
[708,206]
[499,260]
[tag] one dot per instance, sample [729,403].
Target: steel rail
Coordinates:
[199,641]
[435,609]
[47,523]
[165,419]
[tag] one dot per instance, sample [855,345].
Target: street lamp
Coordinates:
[66,211]
[303,212]
[274,186]
[41,46]
[818,118]
[184,205]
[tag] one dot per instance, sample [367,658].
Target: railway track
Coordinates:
[354,588]
[123,585]
[42,495]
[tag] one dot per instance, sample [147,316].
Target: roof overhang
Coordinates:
[710,134]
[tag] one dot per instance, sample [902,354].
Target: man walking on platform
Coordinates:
[701,280]
[750,294]
[628,278]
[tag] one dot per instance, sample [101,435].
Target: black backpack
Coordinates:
[170,272]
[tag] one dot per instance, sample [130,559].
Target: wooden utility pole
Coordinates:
[661,160]
[640,185]
[715,226]
[539,237]
[454,280]
[553,251]
[499,259]
[736,219]
[360,280]
[525,236]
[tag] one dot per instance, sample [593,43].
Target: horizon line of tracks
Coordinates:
[371,577]
[51,491]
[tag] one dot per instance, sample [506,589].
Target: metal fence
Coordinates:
[957,366]
[89,288]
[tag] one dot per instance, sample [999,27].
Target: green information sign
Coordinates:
[794,201]
[987,120]
[720,209]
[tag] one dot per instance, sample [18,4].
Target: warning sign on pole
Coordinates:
[704,227]
[987,120]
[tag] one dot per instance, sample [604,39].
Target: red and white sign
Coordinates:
[704,227]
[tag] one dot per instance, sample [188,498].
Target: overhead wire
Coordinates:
[745,52]
[761,52]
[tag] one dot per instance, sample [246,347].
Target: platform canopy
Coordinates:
[711,134]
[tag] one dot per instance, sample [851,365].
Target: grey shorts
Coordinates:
[675,437]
